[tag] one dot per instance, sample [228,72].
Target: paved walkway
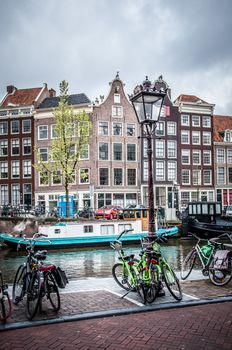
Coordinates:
[105,320]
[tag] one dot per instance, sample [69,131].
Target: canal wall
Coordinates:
[16,226]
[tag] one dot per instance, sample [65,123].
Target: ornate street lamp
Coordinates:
[147,102]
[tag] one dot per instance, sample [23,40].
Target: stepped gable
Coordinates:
[220,124]
[21,97]
[53,102]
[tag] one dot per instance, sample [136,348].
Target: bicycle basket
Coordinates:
[60,277]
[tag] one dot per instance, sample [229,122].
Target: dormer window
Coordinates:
[227,136]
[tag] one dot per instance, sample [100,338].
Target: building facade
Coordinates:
[117,155]
[196,150]
[17,144]
[223,158]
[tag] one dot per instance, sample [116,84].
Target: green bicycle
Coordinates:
[204,255]
[157,270]
[125,272]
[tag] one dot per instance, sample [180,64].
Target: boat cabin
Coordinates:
[204,211]
[137,214]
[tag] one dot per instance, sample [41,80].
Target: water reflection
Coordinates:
[89,262]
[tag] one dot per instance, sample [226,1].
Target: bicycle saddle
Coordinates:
[41,254]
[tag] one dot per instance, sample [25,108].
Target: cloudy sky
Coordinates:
[87,42]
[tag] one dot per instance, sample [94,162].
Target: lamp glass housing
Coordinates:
[148,105]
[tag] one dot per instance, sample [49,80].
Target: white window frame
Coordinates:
[100,126]
[27,174]
[15,175]
[194,153]
[206,121]
[135,146]
[185,153]
[117,98]
[52,179]
[194,119]
[159,151]
[3,146]
[185,171]
[207,153]
[117,160]
[171,128]
[13,141]
[185,120]
[11,127]
[172,170]
[210,177]
[209,138]
[133,129]
[122,184]
[196,138]
[158,129]
[196,174]
[229,155]
[86,150]
[23,122]
[171,149]
[115,111]
[113,124]
[161,176]
[45,129]
[23,145]
[102,142]
[2,128]
[135,176]
[221,155]
[80,179]
[185,133]
[4,166]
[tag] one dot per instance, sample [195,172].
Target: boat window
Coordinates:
[145,213]
[57,231]
[198,209]
[194,209]
[88,228]
[211,209]
[122,227]
[190,209]
[218,208]
[204,208]
[107,229]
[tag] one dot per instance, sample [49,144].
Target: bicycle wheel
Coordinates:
[121,276]
[52,292]
[172,282]
[5,307]
[220,277]
[33,295]
[153,289]
[188,264]
[18,291]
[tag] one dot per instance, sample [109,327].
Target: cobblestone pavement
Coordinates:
[94,295]
[204,327]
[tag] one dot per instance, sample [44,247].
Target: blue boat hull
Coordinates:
[72,242]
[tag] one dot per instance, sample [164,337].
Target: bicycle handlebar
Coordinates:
[123,232]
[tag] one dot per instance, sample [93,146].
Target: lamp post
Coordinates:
[147,102]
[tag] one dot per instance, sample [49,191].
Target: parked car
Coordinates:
[135,206]
[109,212]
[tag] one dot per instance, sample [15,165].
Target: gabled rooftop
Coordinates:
[190,99]
[53,102]
[21,97]
[220,124]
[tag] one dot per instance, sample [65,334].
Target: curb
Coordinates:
[115,312]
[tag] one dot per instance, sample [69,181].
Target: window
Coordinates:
[15,147]
[196,137]
[26,126]
[131,177]
[84,176]
[171,128]
[3,128]
[221,175]
[103,151]
[15,126]
[56,178]
[43,132]
[171,171]
[159,171]
[43,154]
[117,151]
[3,147]
[116,111]
[195,120]
[196,177]
[26,146]
[117,129]
[220,155]
[207,177]
[15,194]
[185,120]
[103,128]
[207,157]
[72,178]
[186,177]
[84,154]
[54,134]
[3,170]
[206,138]
[185,156]
[131,152]
[171,149]
[116,98]
[104,176]
[160,129]
[206,122]
[15,169]
[145,170]
[130,130]
[4,195]
[159,149]
[227,136]
[117,177]
[185,137]
[43,178]
[185,196]
[26,168]
[229,155]
[88,229]
[196,157]
[230,175]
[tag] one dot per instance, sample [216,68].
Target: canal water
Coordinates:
[83,263]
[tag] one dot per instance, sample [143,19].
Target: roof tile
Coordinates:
[53,102]
[21,97]
[221,123]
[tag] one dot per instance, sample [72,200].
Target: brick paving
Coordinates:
[204,327]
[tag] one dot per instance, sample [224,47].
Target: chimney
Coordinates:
[10,89]
[52,93]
